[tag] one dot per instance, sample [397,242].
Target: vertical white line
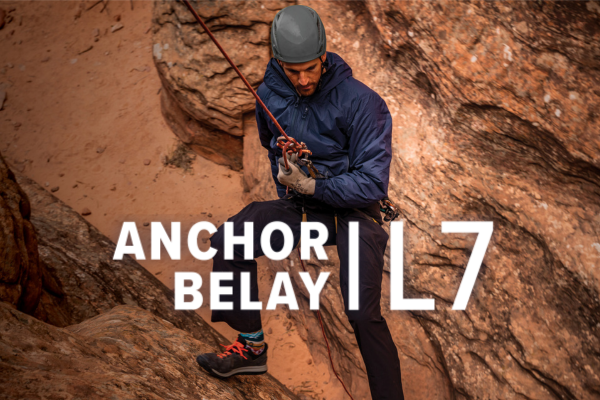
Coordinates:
[353,252]
[396,264]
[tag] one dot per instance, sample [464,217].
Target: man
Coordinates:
[347,126]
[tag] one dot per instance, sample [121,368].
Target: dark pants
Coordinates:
[372,334]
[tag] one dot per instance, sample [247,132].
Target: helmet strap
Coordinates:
[323,70]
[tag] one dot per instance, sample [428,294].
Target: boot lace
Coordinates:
[236,347]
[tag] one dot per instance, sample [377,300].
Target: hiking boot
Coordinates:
[237,359]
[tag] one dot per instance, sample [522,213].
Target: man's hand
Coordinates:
[295,177]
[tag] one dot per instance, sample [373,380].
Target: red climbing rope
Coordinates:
[325,337]
[291,145]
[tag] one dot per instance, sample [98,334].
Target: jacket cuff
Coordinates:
[319,189]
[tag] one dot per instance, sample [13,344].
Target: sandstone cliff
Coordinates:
[124,353]
[203,99]
[96,328]
[496,113]
[20,272]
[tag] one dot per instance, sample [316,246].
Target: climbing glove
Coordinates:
[294,177]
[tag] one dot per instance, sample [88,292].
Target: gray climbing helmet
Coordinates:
[297,35]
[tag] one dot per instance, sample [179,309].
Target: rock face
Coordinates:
[496,112]
[20,272]
[125,353]
[258,183]
[81,279]
[84,280]
[100,328]
[203,99]
[504,128]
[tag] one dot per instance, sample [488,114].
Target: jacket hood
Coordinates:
[337,71]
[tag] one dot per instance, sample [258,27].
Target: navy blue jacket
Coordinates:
[346,125]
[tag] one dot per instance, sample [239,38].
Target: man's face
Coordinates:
[304,76]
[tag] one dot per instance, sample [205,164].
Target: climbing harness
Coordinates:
[288,146]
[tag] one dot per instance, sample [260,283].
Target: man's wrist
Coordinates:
[305,186]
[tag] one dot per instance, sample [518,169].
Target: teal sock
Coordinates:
[255,341]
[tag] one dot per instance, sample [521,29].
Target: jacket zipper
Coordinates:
[293,125]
